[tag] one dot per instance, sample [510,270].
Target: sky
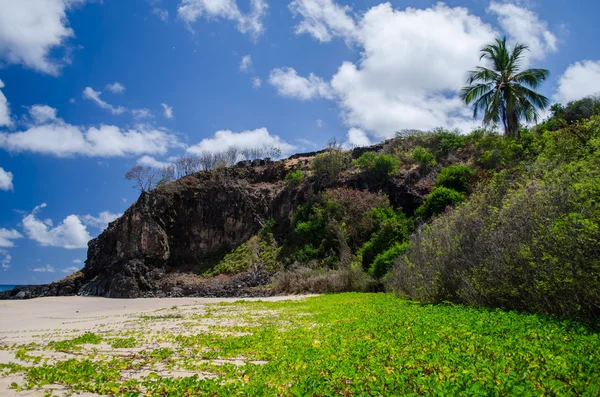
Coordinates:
[90,88]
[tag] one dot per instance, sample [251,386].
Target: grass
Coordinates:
[348,345]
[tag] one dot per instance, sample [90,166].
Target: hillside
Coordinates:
[372,218]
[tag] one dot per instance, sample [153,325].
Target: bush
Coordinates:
[423,158]
[437,201]
[389,227]
[294,177]
[446,142]
[258,252]
[385,260]
[383,165]
[528,242]
[328,166]
[312,278]
[456,177]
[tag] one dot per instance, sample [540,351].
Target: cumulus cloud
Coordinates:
[71,233]
[101,221]
[581,79]
[77,261]
[524,26]
[168,110]
[42,113]
[91,94]
[58,138]
[4,109]
[149,161]
[44,269]
[116,87]
[246,63]
[289,84]
[7,236]
[357,138]
[256,82]
[242,140]
[191,10]
[70,269]
[6,180]
[30,30]
[324,19]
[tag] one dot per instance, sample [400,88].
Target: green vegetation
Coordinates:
[259,251]
[344,345]
[423,158]
[528,239]
[438,200]
[328,166]
[456,177]
[382,165]
[503,93]
[294,177]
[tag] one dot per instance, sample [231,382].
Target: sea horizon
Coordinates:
[6,287]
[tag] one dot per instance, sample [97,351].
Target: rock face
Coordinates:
[185,226]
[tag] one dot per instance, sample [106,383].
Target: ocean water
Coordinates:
[6,287]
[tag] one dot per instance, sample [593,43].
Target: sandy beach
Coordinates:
[44,320]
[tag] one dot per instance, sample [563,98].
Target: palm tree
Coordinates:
[503,92]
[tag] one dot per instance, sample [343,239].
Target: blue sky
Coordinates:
[197,75]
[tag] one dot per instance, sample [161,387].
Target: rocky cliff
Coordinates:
[175,232]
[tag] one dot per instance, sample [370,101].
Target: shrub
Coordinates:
[445,142]
[259,251]
[382,165]
[456,177]
[294,177]
[312,278]
[528,242]
[437,201]
[384,261]
[328,166]
[423,158]
[389,227]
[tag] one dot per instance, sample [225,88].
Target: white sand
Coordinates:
[58,318]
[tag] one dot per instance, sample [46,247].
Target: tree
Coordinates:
[503,93]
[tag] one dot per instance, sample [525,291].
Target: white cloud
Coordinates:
[168,110]
[524,26]
[71,233]
[413,62]
[6,180]
[92,95]
[256,82]
[246,63]
[5,263]
[116,87]
[4,109]
[320,123]
[70,269]
[6,237]
[251,23]
[61,139]
[358,138]
[324,19]
[44,269]
[288,83]
[101,221]
[161,13]
[142,113]
[77,261]
[581,79]
[42,113]
[242,140]
[31,29]
[149,161]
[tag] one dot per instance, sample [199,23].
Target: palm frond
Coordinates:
[532,77]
